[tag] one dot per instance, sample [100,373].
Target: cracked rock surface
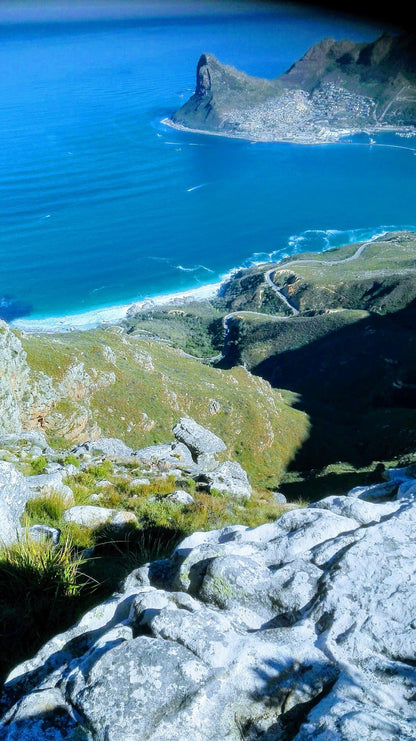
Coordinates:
[304,628]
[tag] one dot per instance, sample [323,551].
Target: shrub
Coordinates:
[70,460]
[46,510]
[101,470]
[39,589]
[37,465]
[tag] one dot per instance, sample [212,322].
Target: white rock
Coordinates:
[180,497]
[88,515]
[198,439]
[230,477]
[358,509]
[14,494]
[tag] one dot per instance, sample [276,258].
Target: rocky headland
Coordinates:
[336,89]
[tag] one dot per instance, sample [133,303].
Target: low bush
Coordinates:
[70,460]
[45,510]
[40,586]
[37,465]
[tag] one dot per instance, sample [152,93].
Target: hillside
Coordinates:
[116,443]
[337,88]
[77,386]
[349,351]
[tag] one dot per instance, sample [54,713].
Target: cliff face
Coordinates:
[336,88]
[25,398]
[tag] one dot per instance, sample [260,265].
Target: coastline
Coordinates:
[112,314]
[333,138]
[107,315]
[255,140]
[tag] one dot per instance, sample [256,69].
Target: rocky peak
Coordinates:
[203,74]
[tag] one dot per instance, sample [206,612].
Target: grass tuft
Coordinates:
[40,586]
[37,465]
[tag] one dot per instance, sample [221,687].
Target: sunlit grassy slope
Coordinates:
[137,389]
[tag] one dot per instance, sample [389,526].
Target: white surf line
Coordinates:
[378,144]
[354,256]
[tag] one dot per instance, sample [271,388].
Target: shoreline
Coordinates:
[338,138]
[111,315]
[251,139]
[105,316]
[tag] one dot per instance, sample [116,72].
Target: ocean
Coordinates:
[103,205]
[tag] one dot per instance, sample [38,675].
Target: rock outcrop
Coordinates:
[25,397]
[299,629]
[203,444]
[229,477]
[14,493]
[336,88]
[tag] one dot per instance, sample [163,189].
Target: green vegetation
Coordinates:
[40,588]
[69,460]
[46,510]
[38,464]
[151,506]
[136,389]
[195,327]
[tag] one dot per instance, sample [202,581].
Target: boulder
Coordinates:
[46,483]
[44,533]
[180,497]
[110,447]
[122,518]
[92,516]
[202,443]
[88,515]
[14,494]
[32,442]
[358,509]
[229,477]
[169,454]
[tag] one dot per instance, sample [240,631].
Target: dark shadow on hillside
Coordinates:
[313,487]
[349,384]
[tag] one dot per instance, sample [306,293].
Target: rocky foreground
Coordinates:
[336,88]
[303,628]
[193,453]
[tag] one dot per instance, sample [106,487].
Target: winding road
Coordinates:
[268,279]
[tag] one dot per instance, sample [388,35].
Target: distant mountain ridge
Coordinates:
[336,88]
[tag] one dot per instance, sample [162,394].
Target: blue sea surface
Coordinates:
[102,204]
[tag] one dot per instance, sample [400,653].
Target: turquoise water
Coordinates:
[102,204]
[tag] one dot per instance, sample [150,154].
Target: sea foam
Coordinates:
[111,314]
